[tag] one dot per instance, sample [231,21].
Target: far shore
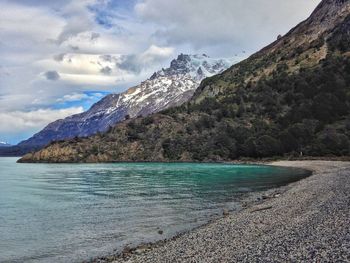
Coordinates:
[244,160]
[306,221]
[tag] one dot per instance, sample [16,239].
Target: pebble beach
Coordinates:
[306,221]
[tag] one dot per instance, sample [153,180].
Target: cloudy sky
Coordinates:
[58,57]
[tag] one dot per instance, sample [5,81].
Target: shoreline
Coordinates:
[245,160]
[195,245]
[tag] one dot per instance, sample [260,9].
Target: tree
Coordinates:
[249,148]
[332,142]
[266,146]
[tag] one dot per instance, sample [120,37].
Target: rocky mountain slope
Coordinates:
[166,88]
[290,98]
[302,47]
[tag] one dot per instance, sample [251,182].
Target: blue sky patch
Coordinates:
[85,99]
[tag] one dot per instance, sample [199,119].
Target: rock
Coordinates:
[160,232]
[126,251]
[261,209]
[225,212]
[141,250]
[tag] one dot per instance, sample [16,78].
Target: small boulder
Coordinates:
[126,251]
[141,249]
[225,212]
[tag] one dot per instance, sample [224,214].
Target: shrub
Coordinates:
[266,146]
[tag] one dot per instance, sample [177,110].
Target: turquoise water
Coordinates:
[73,212]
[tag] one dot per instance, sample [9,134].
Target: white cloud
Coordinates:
[39,44]
[73,97]
[104,70]
[156,53]
[240,24]
[24,22]
[93,80]
[80,20]
[19,121]
[62,40]
[138,62]
[83,64]
[80,97]
[23,38]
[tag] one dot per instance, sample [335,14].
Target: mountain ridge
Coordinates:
[4,144]
[306,33]
[290,98]
[165,88]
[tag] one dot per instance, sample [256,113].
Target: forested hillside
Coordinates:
[291,98]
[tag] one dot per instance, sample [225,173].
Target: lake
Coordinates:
[74,212]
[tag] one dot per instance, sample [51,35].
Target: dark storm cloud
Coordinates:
[52,75]
[106,70]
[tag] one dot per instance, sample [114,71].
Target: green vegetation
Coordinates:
[289,111]
[306,112]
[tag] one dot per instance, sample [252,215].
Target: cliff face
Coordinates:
[289,98]
[166,88]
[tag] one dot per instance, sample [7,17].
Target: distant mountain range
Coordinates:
[4,144]
[291,98]
[166,88]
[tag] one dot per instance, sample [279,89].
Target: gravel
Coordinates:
[307,221]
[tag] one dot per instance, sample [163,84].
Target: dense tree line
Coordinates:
[304,113]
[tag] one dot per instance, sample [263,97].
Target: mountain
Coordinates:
[4,144]
[291,98]
[166,88]
[8,150]
[302,47]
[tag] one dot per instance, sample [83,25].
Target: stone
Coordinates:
[225,212]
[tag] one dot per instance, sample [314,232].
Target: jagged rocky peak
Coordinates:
[181,64]
[197,66]
[297,69]
[166,88]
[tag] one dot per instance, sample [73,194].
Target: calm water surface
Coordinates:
[72,212]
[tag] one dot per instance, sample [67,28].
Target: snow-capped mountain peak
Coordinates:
[197,67]
[165,88]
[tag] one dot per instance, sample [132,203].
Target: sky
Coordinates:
[59,57]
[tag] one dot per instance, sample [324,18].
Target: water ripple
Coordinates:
[65,213]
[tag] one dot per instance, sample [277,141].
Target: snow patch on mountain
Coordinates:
[165,88]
